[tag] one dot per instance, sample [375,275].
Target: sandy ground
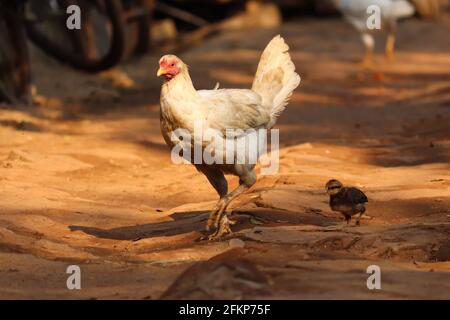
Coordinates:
[86,179]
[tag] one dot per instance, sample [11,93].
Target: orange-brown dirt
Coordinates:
[85,178]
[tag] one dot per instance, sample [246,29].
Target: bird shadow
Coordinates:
[195,221]
[183,222]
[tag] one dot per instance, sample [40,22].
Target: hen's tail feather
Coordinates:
[275,78]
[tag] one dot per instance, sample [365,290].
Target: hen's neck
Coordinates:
[181,105]
[180,87]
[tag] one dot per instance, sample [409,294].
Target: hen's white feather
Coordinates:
[402,9]
[275,78]
[356,10]
[226,109]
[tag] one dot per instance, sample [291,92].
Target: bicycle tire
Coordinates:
[15,75]
[114,55]
[144,24]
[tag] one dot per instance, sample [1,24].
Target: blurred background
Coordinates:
[114,31]
[86,178]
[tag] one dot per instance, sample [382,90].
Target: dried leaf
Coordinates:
[256,221]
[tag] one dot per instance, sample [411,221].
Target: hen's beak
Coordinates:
[161,72]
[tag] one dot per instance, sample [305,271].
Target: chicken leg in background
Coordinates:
[355,12]
[248,110]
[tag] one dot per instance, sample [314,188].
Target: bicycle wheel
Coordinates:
[141,13]
[15,75]
[97,46]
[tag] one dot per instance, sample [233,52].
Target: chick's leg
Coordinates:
[347,217]
[221,221]
[362,209]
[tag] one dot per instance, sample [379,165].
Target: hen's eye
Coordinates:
[172,65]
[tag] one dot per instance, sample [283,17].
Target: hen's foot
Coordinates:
[389,57]
[223,228]
[389,50]
[367,61]
[216,213]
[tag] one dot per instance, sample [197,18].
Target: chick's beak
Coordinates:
[161,72]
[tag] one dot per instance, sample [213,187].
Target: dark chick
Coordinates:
[346,200]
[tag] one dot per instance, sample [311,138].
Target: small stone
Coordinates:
[236,243]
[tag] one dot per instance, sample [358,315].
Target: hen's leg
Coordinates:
[220,220]
[369,44]
[223,228]
[390,41]
[218,181]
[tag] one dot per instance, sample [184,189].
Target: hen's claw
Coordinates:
[212,218]
[216,213]
[223,228]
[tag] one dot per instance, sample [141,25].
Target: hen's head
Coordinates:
[333,186]
[170,66]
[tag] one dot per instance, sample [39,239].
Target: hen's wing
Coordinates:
[234,109]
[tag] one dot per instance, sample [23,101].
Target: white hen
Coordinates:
[182,107]
[355,12]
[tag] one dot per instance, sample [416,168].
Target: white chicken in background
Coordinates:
[355,12]
[182,106]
